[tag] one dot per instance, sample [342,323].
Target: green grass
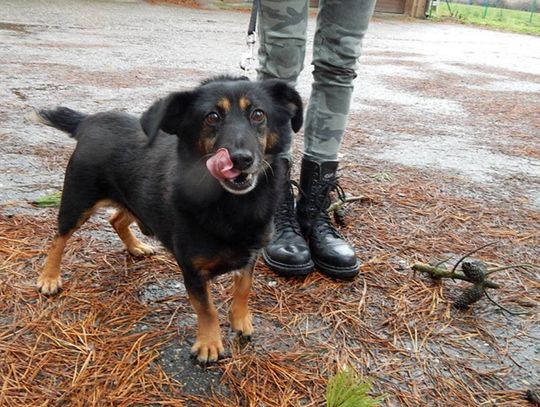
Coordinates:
[503,19]
[348,389]
[51,200]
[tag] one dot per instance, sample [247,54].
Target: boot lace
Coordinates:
[285,216]
[319,203]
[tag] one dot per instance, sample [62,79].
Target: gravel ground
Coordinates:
[444,96]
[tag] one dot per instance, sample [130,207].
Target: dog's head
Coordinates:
[237,125]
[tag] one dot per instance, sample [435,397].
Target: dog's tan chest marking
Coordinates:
[207,264]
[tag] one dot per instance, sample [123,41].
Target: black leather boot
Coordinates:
[332,254]
[287,254]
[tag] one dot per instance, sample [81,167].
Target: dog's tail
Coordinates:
[62,118]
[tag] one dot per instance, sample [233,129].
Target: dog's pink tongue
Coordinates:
[221,166]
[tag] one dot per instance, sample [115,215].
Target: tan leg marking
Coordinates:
[120,221]
[239,314]
[49,281]
[208,345]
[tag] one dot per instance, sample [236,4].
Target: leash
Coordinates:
[248,60]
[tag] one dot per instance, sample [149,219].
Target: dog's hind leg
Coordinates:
[239,314]
[208,345]
[120,221]
[73,213]
[49,281]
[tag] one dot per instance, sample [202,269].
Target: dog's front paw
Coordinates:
[241,324]
[49,285]
[207,350]
[140,249]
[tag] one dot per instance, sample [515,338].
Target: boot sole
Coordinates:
[339,273]
[288,270]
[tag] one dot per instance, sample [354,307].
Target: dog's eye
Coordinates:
[212,118]
[258,116]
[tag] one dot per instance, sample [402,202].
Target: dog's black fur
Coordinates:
[154,169]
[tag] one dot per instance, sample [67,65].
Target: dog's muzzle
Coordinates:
[241,184]
[234,172]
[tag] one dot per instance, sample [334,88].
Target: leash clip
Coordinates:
[248,60]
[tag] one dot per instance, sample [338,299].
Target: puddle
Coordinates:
[176,362]
[161,290]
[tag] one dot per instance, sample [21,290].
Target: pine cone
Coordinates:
[474,270]
[339,216]
[469,296]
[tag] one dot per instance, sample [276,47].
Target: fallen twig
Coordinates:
[341,202]
[438,273]
[474,272]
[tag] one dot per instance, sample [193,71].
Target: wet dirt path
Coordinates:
[449,97]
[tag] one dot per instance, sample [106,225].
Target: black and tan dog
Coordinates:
[155,171]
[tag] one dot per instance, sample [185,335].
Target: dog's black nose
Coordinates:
[242,159]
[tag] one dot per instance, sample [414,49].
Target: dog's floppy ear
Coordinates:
[285,95]
[166,114]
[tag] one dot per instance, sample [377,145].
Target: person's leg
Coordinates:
[282,35]
[341,27]
[282,32]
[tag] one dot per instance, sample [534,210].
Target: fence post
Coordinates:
[533,8]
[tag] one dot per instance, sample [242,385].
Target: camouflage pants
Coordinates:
[341,26]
